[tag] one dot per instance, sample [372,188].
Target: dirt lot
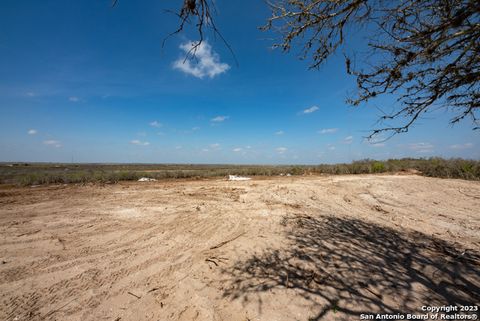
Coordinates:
[286,248]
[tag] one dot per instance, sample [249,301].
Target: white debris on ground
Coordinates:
[146,179]
[289,174]
[238,178]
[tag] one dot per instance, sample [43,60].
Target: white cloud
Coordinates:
[215,146]
[195,129]
[30,94]
[155,124]
[421,147]
[205,150]
[348,140]
[178,147]
[461,146]
[32,132]
[139,143]
[310,110]
[219,119]
[281,150]
[51,142]
[205,63]
[74,99]
[331,147]
[280,132]
[238,149]
[328,131]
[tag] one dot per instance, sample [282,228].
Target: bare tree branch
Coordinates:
[426,52]
[202,12]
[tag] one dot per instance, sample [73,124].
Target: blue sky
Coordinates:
[84,82]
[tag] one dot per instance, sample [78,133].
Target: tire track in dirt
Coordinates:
[93,245]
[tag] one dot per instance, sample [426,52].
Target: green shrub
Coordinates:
[296,170]
[378,167]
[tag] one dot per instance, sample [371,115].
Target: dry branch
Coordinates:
[228,241]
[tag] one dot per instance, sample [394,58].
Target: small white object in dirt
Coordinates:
[146,179]
[289,174]
[238,178]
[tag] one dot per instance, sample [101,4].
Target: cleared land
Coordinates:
[286,248]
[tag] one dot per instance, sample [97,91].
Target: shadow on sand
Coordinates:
[353,267]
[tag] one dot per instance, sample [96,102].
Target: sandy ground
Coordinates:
[303,248]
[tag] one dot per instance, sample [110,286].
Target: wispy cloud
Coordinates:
[139,143]
[206,62]
[348,140]
[238,149]
[328,131]
[74,99]
[30,94]
[461,146]
[280,132]
[281,150]
[378,145]
[330,147]
[53,143]
[188,131]
[219,119]
[310,110]
[155,124]
[32,132]
[215,146]
[421,147]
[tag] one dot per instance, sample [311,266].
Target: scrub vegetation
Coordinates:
[24,174]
